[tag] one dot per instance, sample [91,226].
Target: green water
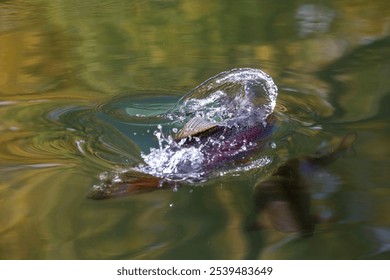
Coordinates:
[72,73]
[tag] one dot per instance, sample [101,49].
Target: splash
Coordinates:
[172,161]
[238,103]
[220,128]
[230,97]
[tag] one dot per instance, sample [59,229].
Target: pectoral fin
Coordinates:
[196,127]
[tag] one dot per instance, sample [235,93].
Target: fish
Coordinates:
[226,119]
[220,145]
[282,201]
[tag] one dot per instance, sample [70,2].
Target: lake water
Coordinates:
[76,75]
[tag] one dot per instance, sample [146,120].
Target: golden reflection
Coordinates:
[233,237]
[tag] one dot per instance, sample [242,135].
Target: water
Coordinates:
[84,85]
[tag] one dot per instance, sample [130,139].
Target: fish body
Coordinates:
[230,118]
[221,144]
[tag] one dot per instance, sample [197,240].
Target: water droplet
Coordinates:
[273,145]
[174,130]
[171,205]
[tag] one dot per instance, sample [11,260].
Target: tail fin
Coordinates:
[123,184]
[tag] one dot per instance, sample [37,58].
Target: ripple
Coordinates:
[94,139]
[140,108]
[61,133]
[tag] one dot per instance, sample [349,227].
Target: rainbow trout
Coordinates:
[230,117]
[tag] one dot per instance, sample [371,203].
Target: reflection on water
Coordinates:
[285,195]
[75,73]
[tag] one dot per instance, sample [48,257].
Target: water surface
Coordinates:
[75,75]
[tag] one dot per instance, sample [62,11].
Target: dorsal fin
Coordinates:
[194,127]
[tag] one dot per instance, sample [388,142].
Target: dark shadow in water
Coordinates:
[283,202]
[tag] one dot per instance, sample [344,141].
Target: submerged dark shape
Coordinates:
[284,198]
[226,119]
